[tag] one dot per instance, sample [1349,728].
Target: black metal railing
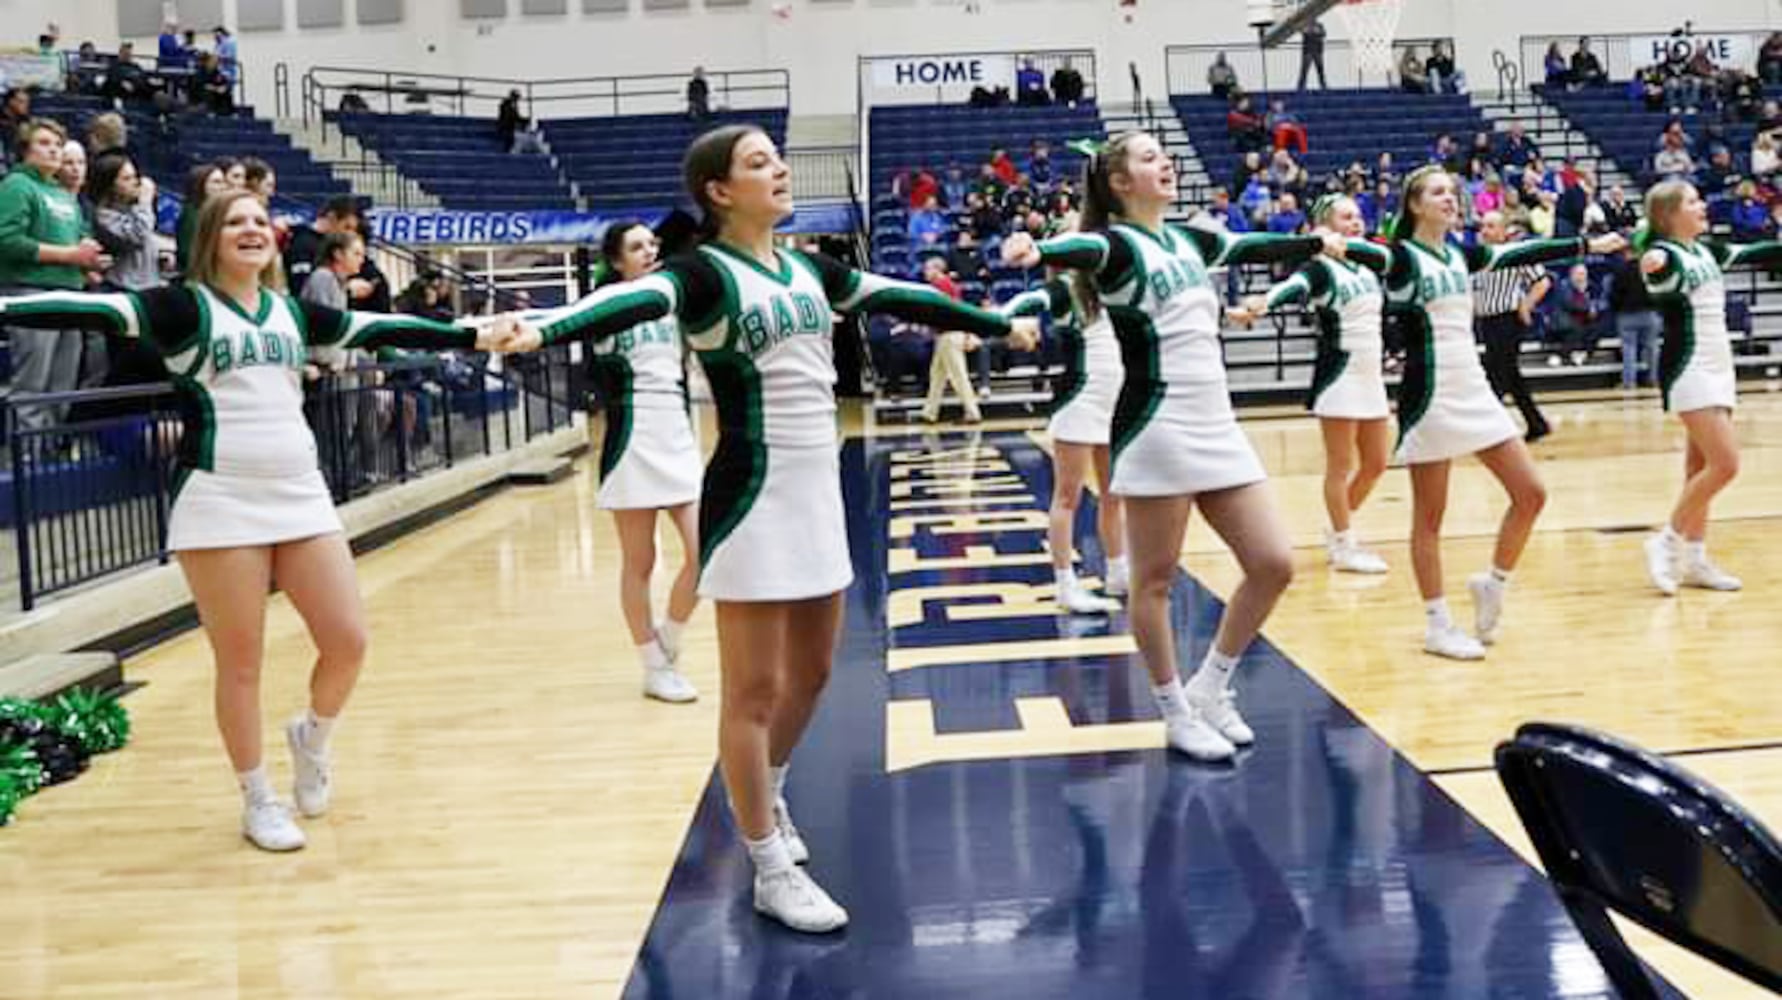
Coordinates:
[1277,69]
[396,92]
[91,489]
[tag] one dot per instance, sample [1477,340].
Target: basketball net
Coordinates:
[1372,24]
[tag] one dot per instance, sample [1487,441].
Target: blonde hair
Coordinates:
[207,238]
[107,131]
[1662,202]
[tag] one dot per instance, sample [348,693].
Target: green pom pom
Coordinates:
[97,721]
[19,708]
[20,769]
[9,798]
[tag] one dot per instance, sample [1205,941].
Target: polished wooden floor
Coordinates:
[508,808]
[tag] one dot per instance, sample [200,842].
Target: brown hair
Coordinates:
[107,131]
[1404,226]
[28,129]
[708,159]
[1100,205]
[1662,201]
[207,237]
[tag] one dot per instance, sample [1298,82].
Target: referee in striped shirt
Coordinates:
[1503,308]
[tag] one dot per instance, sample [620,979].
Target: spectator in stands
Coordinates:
[173,58]
[1039,163]
[1720,178]
[1674,129]
[124,221]
[1682,86]
[1285,128]
[352,103]
[1490,196]
[1030,85]
[1575,316]
[228,54]
[1411,74]
[1637,324]
[259,177]
[950,348]
[1385,170]
[1484,150]
[1537,174]
[699,96]
[1379,204]
[1446,152]
[1765,158]
[984,218]
[1444,78]
[107,132]
[1311,53]
[507,120]
[965,260]
[1517,149]
[1713,141]
[1257,203]
[1287,218]
[210,88]
[1067,84]
[71,176]
[1248,166]
[339,214]
[1573,202]
[1749,219]
[14,114]
[1245,126]
[43,246]
[1515,214]
[528,141]
[1004,165]
[1673,161]
[1221,78]
[1587,69]
[126,81]
[1619,214]
[1555,69]
[1285,173]
[1651,82]
[203,182]
[1769,58]
[928,224]
[1542,214]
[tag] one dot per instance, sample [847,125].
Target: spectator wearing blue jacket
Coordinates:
[1287,218]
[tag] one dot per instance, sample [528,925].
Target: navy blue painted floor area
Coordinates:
[1322,865]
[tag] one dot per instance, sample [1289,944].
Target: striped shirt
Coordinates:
[1498,292]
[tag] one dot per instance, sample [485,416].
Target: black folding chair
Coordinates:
[1620,829]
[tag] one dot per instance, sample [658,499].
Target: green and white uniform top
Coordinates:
[1347,298]
[1156,289]
[763,334]
[645,363]
[1432,287]
[1696,368]
[238,373]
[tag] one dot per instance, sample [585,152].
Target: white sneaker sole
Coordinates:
[308,806]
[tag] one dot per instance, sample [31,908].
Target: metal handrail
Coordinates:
[1275,69]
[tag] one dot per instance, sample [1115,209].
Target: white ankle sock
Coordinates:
[255,786]
[1118,566]
[1170,700]
[1436,612]
[1066,579]
[1499,576]
[653,656]
[778,774]
[769,854]
[1217,669]
[1696,551]
[668,633]
[317,731]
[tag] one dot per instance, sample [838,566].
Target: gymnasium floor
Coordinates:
[985,786]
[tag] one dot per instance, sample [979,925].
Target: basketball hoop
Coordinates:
[1372,25]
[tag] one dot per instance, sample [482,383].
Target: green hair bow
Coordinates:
[1090,148]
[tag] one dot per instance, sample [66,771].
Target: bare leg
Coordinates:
[637,563]
[1339,468]
[1515,469]
[1155,527]
[811,632]
[1069,463]
[1429,504]
[684,596]
[751,652]
[1111,511]
[318,576]
[1250,524]
[1711,464]
[1374,440]
[230,587]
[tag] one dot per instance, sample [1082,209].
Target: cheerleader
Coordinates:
[772,532]
[1446,406]
[1082,410]
[250,508]
[1685,276]
[1348,393]
[1176,443]
[649,465]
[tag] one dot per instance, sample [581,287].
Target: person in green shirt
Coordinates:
[44,245]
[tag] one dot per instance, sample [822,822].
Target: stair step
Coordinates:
[46,675]
[541,471]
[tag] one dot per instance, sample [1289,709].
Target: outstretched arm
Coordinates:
[325,327]
[612,310]
[850,290]
[1050,299]
[1221,248]
[1764,253]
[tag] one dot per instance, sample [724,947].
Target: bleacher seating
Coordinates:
[169,146]
[934,137]
[633,163]
[1343,126]
[460,161]
[1628,133]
